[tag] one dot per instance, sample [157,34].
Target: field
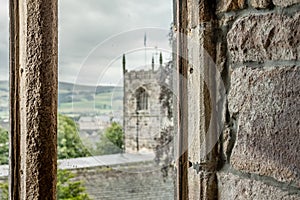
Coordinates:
[85,100]
[82,100]
[4,93]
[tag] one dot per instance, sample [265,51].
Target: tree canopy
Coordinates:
[4,146]
[111,141]
[67,189]
[4,191]
[165,143]
[70,190]
[69,144]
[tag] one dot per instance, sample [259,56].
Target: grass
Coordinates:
[107,99]
[102,103]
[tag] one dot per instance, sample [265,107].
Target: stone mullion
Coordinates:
[14,142]
[34,100]
[182,104]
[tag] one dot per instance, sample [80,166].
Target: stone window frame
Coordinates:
[195,29]
[34,87]
[33,79]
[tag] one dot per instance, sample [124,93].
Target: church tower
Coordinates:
[143,113]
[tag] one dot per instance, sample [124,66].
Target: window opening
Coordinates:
[141,99]
[90,101]
[114,97]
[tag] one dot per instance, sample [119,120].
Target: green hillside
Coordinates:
[79,99]
[86,99]
[4,93]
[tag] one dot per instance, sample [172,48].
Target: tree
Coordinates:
[166,86]
[4,146]
[165,143]
[111,141]
[68,189]
[69,144]
[4,191]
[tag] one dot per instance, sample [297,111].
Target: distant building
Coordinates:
[91,126]
[91,123]
[143,114]
[4,123]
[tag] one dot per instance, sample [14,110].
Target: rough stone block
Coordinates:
[226,21]
[260,3]
[233,187]
[285,3]
[266,105]
[198,12]
[265,37]
[230,5]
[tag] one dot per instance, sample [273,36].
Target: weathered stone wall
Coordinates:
[135,181]
[260,42]
[255,45]
[106,183]
[124,181]
[149,121]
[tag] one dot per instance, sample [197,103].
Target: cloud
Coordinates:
[4,66]
[85,25]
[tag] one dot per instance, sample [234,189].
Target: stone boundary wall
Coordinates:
[258,54]
[122,180]
[135,182]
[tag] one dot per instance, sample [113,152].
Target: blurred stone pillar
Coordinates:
[204,110]
[33,99]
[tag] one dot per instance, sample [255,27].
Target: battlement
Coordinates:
[140,74]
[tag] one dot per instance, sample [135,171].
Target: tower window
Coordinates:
[141,99]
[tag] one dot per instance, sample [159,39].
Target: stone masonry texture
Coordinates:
[266,103]
[150,120]
[285,3]
[265,37]
[260,3]
[256,43]
[234,187]
[38,98]
[230,5]
[124,184]
[262,137]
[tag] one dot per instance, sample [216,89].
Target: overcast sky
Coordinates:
[3,39]
[93,34]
